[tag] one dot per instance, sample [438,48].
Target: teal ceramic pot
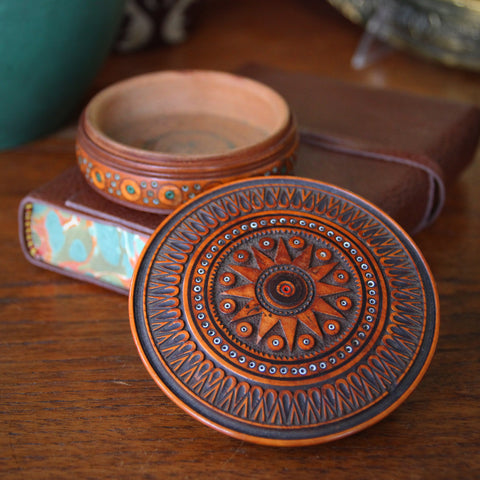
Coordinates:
[50,51]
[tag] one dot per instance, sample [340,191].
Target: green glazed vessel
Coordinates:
[50,51]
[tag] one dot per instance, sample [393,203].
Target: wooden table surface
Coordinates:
[75,399]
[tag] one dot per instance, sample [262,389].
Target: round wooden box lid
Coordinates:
[284,311]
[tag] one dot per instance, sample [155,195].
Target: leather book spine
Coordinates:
[57,235]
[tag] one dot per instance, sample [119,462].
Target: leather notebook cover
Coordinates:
[395,149]
[67,227]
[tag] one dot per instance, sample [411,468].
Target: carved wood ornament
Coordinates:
[284,312]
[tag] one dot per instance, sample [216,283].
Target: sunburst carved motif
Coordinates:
[286,289]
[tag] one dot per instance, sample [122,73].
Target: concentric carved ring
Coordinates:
[285,312]
[285,290]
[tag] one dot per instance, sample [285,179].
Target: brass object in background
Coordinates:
[444,30]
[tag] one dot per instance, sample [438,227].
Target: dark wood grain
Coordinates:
[75,400]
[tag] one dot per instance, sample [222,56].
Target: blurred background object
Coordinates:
[148,23]
[50,51]
[447,31]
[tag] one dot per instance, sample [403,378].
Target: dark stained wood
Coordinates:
[75,399]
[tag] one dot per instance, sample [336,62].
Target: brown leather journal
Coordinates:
[395,149]
[66,227]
